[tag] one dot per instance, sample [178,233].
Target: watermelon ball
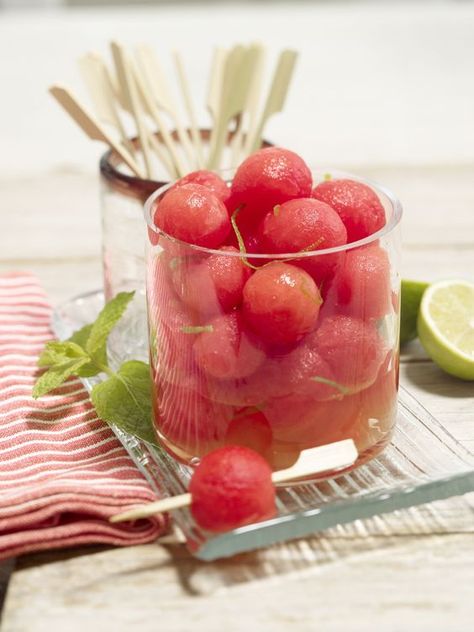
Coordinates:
[214,284]
[224,350]
[281,303]
[268,177]
[193,424]
[358,206]
[362,283]
[304,224]
[193,214]
[301,422]
[305,372]
[351,347]
[251,429]
[207,179]
[231,487]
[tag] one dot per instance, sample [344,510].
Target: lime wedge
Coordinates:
[446,326]
[411,293]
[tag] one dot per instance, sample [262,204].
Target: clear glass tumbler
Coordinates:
[220,379]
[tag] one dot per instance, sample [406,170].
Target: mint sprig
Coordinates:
[123,398]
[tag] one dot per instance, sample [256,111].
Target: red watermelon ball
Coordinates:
[251,429]
[362,283]
[192,213]
[231,487]
[304,224]
[214,284]
[192,423]
[358,206]
[352,348]
[225,351]
[207,179]
[281,303]
[268,177]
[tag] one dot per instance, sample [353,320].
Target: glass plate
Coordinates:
[423,462]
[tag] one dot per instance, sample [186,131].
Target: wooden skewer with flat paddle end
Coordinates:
[325,458]
[90,126]
[101,90]
[276,97]
[129,92]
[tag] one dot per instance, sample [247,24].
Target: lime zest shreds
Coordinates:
[312,246]
[198,329]
[327,177]
[324,380]
[276,210]
[240,240]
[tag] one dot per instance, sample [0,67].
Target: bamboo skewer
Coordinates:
[249,114]
[183,82]
[235,88]
[333,456]
[102,93]
[214,97]
[150,107]
[90,126]
[276,96]
[129,92]
[157,85]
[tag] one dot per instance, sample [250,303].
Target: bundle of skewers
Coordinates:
[137,113]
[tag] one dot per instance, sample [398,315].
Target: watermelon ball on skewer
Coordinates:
[231,487]
[301,225]
[192,213]
[281,303]
[358,206]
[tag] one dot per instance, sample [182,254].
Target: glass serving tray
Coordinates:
[423,462]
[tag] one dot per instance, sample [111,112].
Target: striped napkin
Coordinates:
[62,470]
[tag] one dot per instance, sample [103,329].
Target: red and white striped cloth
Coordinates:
[62,470]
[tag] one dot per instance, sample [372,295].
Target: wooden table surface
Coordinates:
[412,570]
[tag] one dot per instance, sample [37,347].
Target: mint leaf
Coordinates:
[59,352]
[56,375]
[105,322]
[80,337]
[125,400]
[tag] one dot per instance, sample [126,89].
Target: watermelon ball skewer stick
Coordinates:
[234,485]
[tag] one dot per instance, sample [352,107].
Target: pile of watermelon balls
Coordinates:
[270,207]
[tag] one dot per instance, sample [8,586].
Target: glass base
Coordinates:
[285,460]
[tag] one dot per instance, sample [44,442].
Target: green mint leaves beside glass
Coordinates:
[123,398]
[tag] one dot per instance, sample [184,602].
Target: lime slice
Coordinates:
[411,293]
[446,326]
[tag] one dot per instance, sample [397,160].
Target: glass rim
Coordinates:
[388,228]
